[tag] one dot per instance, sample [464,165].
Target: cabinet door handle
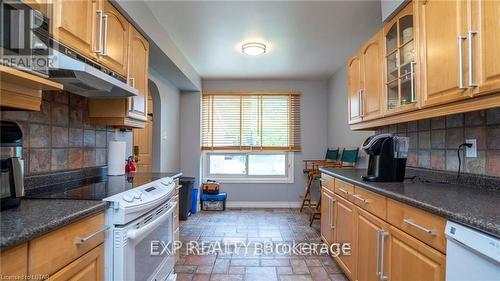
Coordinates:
[81,240]
[460,63]
[366,201]
[332,214]
[410,222]
[344,191]
[329,211]
[99,32]
[383,234]
[105,44]
[362,103]
[412,81]
[377,270]
[470,35]
[132,81]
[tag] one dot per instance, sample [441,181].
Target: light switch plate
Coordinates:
[471,152]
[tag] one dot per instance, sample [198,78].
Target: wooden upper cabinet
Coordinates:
[354,89]
[127,112]
[75,24]
[372,77]
[327,215]
[486,43]
[115,39]
[443,38]
[410,259]
[21,90]
[138,54]
[401,62]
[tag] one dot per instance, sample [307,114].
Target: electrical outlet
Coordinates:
[471,152]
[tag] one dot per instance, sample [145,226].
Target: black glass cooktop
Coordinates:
[96,188]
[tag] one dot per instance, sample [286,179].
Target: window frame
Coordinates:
[231,178]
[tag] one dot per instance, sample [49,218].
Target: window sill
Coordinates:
[250,180]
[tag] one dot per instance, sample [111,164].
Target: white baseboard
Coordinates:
[245,204]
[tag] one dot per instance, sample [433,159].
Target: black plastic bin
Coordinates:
[185,197]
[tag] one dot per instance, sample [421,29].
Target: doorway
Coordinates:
[143,142]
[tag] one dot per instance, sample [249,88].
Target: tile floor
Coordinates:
[253,226]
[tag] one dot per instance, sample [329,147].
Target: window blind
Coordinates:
[251,121]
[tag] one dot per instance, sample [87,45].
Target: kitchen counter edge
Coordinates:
[75,210]
[437,210]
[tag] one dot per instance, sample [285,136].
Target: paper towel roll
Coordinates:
[116,158]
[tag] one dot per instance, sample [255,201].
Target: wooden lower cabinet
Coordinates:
[344,233]
[381,249]
[327,220]
[412,260]
[14,262]
[57,254]
[89,267]
[369,231]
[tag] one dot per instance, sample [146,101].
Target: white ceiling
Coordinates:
[305,39]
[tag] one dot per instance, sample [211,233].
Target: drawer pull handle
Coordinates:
[366,201]
[432,232]
[344,191]
[81,240]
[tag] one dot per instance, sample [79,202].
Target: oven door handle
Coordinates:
[134,233]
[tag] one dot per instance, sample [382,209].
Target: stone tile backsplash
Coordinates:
[60,137]
[434,142]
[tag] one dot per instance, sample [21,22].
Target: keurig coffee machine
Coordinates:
[388,156]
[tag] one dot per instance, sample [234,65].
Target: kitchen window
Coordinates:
[249,167]
[250,137]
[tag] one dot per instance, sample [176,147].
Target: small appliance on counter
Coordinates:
[11,165]
[388,156]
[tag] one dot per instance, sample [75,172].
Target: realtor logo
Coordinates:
[24,37]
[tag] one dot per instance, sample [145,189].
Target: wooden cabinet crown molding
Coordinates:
[21,90]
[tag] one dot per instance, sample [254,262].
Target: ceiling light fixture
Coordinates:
[253,48]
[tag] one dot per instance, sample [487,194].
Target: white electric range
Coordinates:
[135,218]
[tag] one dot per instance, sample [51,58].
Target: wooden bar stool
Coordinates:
[315,211]
[311,169]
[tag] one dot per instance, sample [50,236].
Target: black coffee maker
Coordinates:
[388,156]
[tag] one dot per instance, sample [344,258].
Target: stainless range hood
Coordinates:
[82,77]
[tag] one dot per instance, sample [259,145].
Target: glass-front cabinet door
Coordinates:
[401,62]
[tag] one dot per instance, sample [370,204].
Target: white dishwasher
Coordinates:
[471,255]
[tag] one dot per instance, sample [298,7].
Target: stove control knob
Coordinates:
[127,198]
[137,194]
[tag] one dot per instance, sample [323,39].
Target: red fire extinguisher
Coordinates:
[130,167]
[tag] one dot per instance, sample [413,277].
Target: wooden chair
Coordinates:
[311,169]
[348,159]
[331,156]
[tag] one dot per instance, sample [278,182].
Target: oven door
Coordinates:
[133,257]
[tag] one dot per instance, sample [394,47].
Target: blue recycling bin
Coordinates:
[194,204]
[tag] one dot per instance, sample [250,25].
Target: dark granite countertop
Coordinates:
[475,207]
[35,217]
